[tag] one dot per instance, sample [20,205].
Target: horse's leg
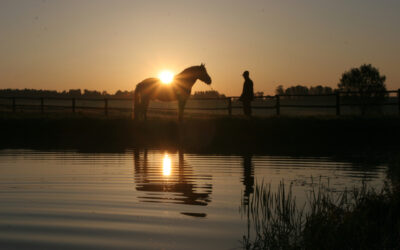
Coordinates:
[144,108]
[181,104]
[136,111]
[139,111]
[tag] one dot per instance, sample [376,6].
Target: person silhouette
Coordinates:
[248,177]
[247,94]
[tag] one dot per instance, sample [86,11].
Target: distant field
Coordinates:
[317,105]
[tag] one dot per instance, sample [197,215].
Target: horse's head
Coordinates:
[203,75]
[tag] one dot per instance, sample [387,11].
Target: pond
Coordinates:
[148,199]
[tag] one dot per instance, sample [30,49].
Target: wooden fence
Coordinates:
[102,104]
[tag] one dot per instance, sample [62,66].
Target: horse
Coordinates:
[178,90]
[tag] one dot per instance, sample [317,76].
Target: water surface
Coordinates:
[146,199]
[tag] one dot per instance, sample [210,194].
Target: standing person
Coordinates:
[247,94]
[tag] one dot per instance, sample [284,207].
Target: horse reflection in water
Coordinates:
[172,186]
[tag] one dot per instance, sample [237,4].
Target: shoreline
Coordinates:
[217,135]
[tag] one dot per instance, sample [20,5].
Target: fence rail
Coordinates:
[16,103]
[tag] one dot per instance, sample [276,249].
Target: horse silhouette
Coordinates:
[178,90]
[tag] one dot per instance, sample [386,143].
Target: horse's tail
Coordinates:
[138,100]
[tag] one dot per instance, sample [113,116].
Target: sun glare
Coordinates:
[166,76]
[166,165]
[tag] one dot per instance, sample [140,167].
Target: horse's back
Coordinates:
[148,82]
[155,90]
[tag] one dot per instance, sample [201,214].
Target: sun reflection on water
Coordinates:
[166,165]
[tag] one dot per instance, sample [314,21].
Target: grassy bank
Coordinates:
[354,219]
[277,134]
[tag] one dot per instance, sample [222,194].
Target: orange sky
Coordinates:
[111,45]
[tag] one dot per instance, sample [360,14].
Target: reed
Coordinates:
[360,218]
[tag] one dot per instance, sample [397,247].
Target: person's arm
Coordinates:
[243,91]
[252,90]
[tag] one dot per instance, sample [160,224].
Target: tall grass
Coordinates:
[361,218]
[276,219]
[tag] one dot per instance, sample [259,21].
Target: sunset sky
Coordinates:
[114,44]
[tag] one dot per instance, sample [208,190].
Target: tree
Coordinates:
[366,78]
[296,90]
[303,90]
[280,90]
[91,93]
[365,85]
[124,93]
[75,92]
[207,94]
[320,90]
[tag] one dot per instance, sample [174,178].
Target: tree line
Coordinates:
[73,93]
[76,93]
[304,90]
[363,86]
[365,79]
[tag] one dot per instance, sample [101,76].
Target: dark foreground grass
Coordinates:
[354,219]
[274,135]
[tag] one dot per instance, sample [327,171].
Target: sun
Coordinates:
[166,76]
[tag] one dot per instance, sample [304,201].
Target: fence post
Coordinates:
[14,106]
[230,106]
[398,99]
[41,105]
[337,103]
[73,105]
[106,106]
[278,105]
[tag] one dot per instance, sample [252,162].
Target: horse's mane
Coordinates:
[188,70]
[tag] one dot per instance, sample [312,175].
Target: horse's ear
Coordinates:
[202,65]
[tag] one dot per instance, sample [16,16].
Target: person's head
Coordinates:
[246,74]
